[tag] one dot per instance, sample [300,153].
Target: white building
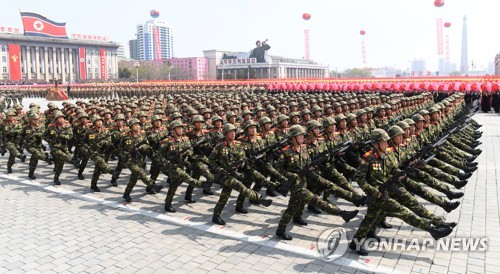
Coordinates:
[155,40]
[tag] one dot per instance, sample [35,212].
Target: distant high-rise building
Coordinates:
[464,63]
[155,40]
[497,65]
[120,53]
[132,47]
[418,67]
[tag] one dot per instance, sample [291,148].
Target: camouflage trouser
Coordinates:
[332,174]
[119,167]
[37,153]
[177,177]
[60,156]
[100,166]
[137,172]
[459,144]
[444,167]
[458,148]
[344,168]
[253,176]
[200,169]
[419,189]
[154,170]
[454,152]
[447,158]
[13,153]
[299,197]
[268,170]
[427,179]
[382,207]
[229,183]
[83,156]
[316,184]
[443,176]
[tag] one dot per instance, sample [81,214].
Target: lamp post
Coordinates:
[137,65]
[169,72]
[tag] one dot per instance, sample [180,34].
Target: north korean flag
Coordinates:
[38,25]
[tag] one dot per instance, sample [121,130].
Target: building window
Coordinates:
[4,59]
[4,69]
[4,48]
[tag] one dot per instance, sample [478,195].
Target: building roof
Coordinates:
[32,39]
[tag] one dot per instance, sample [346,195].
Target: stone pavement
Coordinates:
[70,229]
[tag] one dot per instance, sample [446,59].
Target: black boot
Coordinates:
[271,192]
[157,188]
[359,250]
[450,224]
[384,224]
[454,195]
[189,198]
[95,188]
[298,220]
[150,190]
[359,201]
[374,235]
[80,176]
[474,164]
[57,182]
[464,176]
[449,207]
[460,184]
[313,209]
[32,176]
[348,215]
[169,208]
[441,232]
[208,192]
[265,202]
[113,182]
[241,209]
[127,198]
[75,163]
[23,158]
[216,219]
[9,169]
[281,232]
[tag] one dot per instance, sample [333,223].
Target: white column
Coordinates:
[70,62]
[63,64]
[46,63]
[114,65]
[37,63]
[92,75]
[28,62]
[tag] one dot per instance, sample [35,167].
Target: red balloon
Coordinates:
[362,32]
[306,16]
[447,24]
[438,3]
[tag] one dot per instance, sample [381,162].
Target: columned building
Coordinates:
[36,58]
[237,65]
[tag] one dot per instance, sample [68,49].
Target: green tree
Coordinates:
[357,73]
[124,73]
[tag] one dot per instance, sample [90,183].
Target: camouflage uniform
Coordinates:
[31,139]
[10,132]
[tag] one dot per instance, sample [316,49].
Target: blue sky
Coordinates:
[396,30]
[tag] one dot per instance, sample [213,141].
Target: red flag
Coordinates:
[15,61]
[104,65]
[38,25]
[81,60]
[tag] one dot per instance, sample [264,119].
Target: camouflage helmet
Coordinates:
[409,121]
[293,114]
[51,105]
[175,115]
[433,109]
[282,117]
[155,118]
[296,130]
[378,135]
[133,121]
[248,124]
[230,114]
[264,120]
[328,121]
[95,118]
[34,116]
[58,114]
[215,118]
[228,127]
[304,112]
[417,117]
[403,124]
[32,105]
[316,108]
[423,112]
[312,125]
[339,118]
[198,118]
[245,112]
[350,117]
[120,117]
[176,123]
[83,115]
[11,112]
[360,112]
[368,109]
[395,131]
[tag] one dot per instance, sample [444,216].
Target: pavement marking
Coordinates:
[264,240]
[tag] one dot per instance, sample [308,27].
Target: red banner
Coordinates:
[439,25]
[15,62]
[37,25]
[81,61]
[156,34]
[104,65]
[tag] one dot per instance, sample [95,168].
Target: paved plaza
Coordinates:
[70,229]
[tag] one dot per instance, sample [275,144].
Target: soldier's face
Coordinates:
[119,122]
[34,122]
[299,139]
[284,123]
[157,123]
[382,145]
[381,113]
[419,124]
[342,124]
[330,128]
[98,123]
[363,117]
[230,135]
[252,130]
[407,132]
[198,125]
[179,131]
[398,140]
[435,116]
[218,123]
[136,127]
[354,123]
[60,120]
